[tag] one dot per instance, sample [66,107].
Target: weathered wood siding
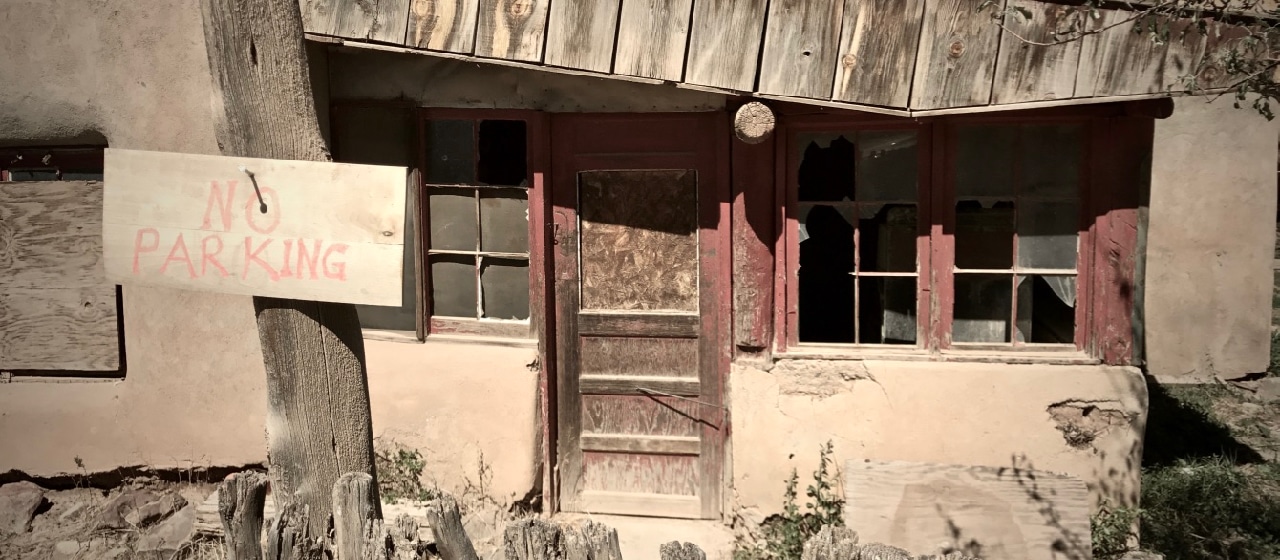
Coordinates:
[57,310]
[897,56]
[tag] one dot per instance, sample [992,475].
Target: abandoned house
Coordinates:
[964,249]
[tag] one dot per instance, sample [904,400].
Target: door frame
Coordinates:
[614,140]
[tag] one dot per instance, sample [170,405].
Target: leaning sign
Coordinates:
[289,229]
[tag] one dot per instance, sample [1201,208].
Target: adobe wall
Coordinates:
[1210,243]
[194,394]
[957,413]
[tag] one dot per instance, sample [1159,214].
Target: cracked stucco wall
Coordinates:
[1210,242]
[957,413]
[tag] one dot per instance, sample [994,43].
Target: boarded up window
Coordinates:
[58,313]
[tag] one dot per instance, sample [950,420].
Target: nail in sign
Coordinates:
[279,228]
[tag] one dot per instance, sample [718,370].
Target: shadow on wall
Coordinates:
[1184,429]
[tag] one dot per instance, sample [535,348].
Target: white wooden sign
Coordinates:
[289,229]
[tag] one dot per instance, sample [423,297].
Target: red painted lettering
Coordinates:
[224,206]
[311,259]
[179,246]
[288,252]
[207,256]
[251,255]
[139,247]
[339,269]
[253,209]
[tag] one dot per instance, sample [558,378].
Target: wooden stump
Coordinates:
[675,550]
[589,540]
[533,539]
[289,536]
[354,511]
[446,525]
[831,543]
[241,499]
[877,551]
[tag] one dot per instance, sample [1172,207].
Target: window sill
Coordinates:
[1017,357]
[482,340]
[406,337]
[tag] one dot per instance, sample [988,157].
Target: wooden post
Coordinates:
[318,424]
[589,540]
[446,524]
[289,536]
[353,512]
[831,543]
[533,539]
[676,550]
[241,499]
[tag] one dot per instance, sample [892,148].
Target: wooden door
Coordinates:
[641,279]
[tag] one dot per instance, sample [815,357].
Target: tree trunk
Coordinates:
[318,423]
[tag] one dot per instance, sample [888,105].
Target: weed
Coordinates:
[400,474]
[1211,508]
[784,535]
[1112,529]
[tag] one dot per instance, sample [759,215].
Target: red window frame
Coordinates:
[538,161]
[935,241]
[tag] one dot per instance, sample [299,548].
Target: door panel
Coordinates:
[639,345]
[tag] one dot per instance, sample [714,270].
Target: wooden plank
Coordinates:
[643,385]
[876,66]
[296,229]
[956,60]
[50,235]
[1183,54]
[69,329]
[443,25]
[1117,60]
[580,34]
[615,443]
[628,503]
[512,29]
[753,235]
[724,44]
[652,36]
[800,45]
[628,355]
[376,20]
[630,324]
[1011,512]
[1031,72]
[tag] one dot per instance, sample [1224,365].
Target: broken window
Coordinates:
[858,225]
[1017,216]
[476,181]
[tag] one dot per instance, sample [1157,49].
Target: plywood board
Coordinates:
[800,47]
[1028,71]
[299,230]
[1009,513]
[57,309]
[876,66]
[724,43]
[580,34]
[377,20]
[1121,58]
[512,29]
[652,36]
[443,25]
[957,55]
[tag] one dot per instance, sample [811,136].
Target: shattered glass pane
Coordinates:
[825,279]
[887,166]
[983,308]
[887,239]
[984,235]
[1047,234]
[887,310]
[453,218]
[1050,157]
[503,153]
[984,161]
[1047,309]
[826,167]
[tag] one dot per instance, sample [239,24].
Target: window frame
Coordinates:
[935,238]
[538,164]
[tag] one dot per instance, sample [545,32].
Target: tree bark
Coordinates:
[318,423]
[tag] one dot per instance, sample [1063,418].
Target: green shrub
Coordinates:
[1112,529]
[783,536]
[400,474]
